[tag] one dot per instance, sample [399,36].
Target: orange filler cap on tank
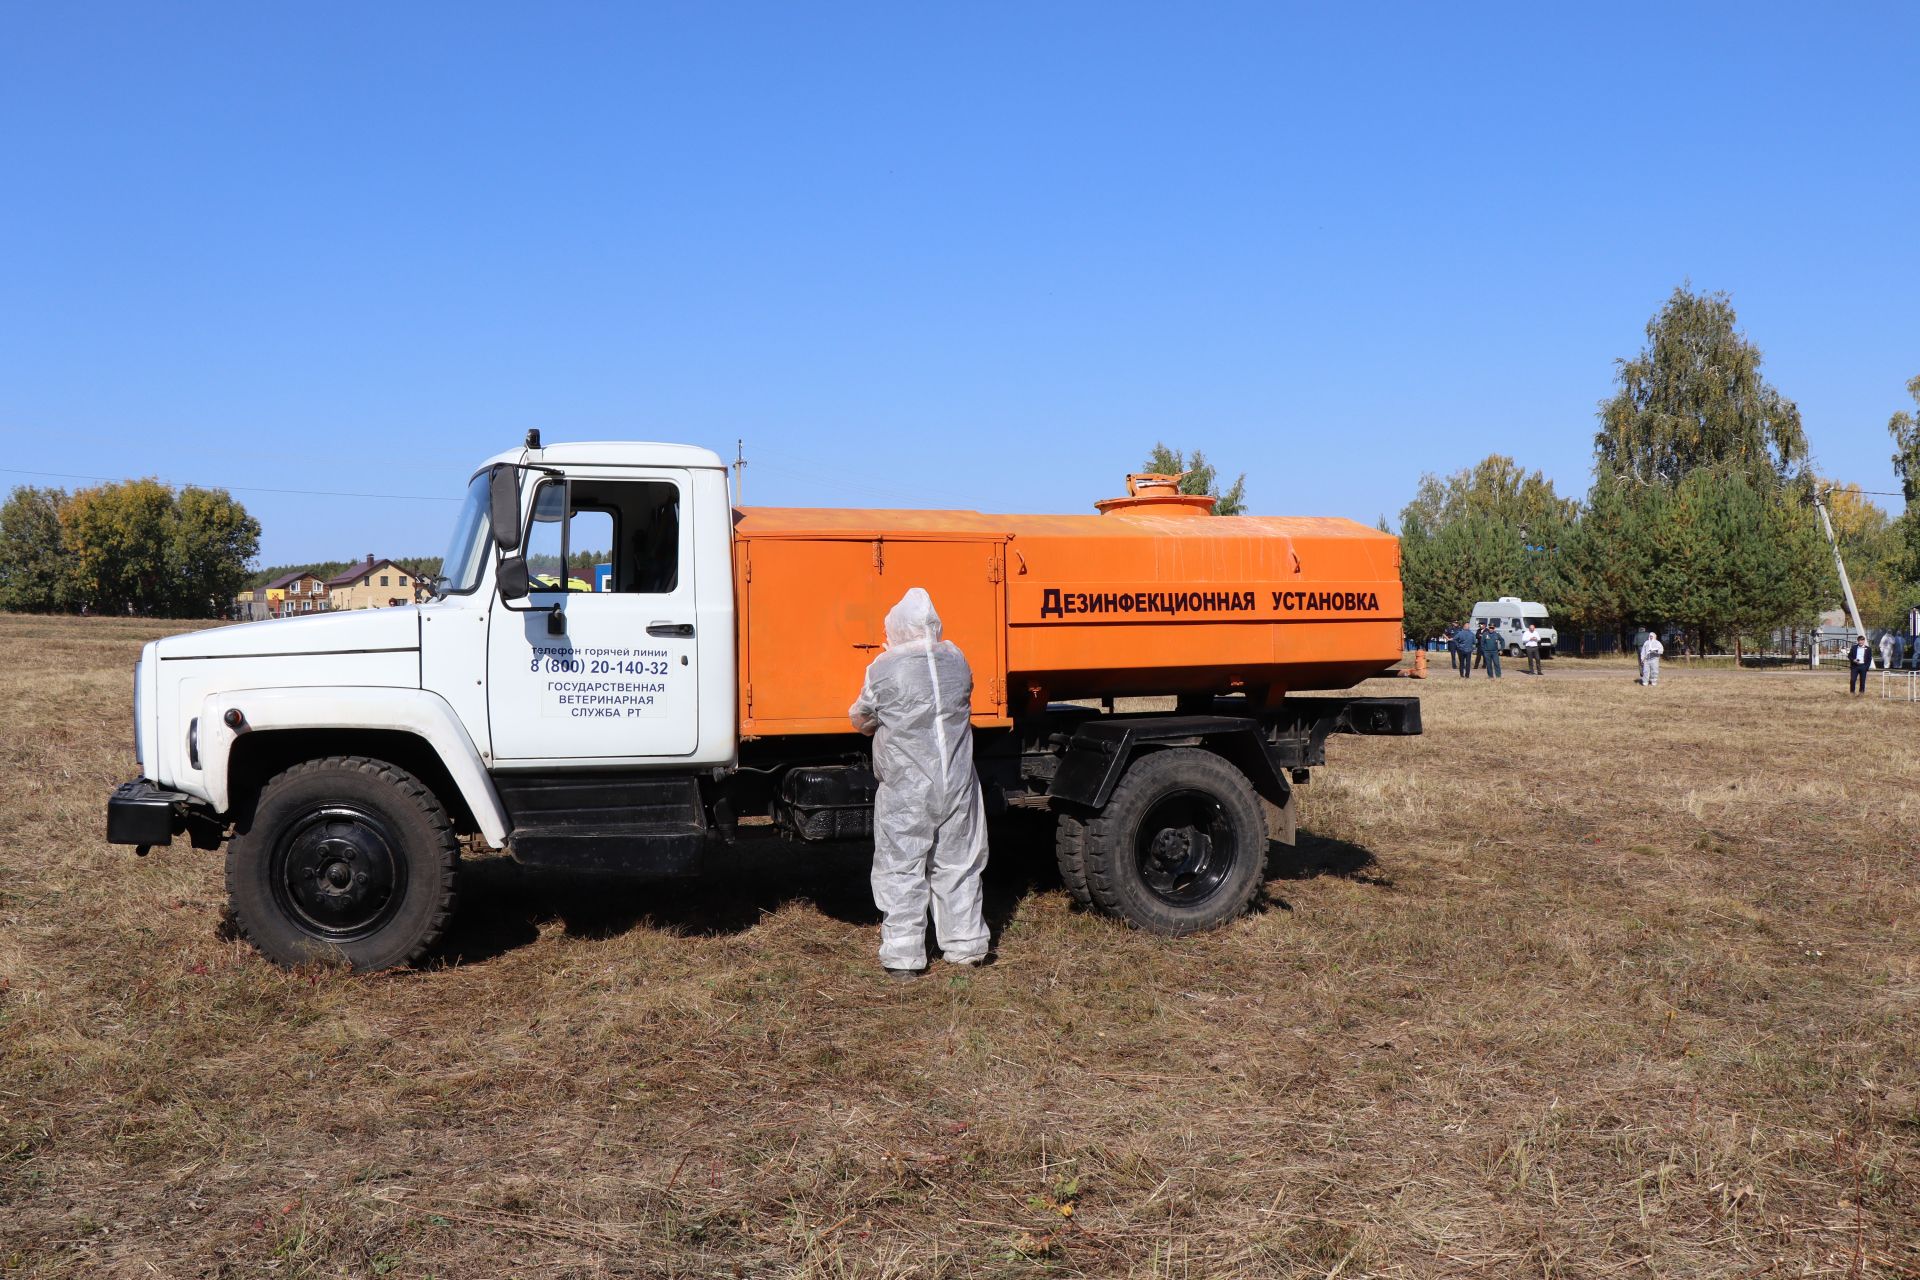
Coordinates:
[1152,493]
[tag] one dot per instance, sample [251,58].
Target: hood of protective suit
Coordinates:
[913,621]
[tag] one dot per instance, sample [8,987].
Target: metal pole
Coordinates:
[1846,584]
[739,471]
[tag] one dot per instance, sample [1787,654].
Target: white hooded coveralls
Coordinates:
[929,824]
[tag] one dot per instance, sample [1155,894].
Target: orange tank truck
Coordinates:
[623,669]
[1153,596]
[1163,817]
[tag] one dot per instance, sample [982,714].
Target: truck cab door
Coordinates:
[601,661]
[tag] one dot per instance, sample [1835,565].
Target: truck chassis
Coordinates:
[351,850]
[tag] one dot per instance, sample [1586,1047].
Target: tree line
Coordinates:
[134,546]
[1699,517]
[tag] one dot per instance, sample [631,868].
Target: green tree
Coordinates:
[135,547]
[1490,530]
[1694,398]
[116,537]
[1904,427]
[1746,556]
[34,574]
[1608,568]
[1200,477]
[1698,512]
[210,542]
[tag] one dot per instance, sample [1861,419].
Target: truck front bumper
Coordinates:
[143,813]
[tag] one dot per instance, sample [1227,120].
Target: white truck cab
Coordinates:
[1509,616]
[639,675]
[349,751]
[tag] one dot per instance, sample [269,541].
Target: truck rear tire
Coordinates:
[1181,846]
[1070,851]
[346,859]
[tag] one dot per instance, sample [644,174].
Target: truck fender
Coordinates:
[417,711]
[1101,750]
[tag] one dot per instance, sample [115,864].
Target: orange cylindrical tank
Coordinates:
[1152,596]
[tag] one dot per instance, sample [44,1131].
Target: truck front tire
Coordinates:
[1180,847]
[346,859]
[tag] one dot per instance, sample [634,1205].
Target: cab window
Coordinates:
[623,536]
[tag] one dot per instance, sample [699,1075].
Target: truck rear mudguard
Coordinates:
[1269,747]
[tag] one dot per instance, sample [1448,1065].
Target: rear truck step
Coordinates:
[635,824]
[630,849]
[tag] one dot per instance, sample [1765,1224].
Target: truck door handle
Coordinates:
[684,629]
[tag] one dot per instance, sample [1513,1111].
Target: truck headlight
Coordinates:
[136,719]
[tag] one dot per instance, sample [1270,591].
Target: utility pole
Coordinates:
[1846,584]
[739,470]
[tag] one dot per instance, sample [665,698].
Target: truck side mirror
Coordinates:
[503,504]
[511,578]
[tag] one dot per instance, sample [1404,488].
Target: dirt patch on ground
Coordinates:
[1591,980]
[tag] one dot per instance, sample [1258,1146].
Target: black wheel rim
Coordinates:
[337,873]
[1185,848]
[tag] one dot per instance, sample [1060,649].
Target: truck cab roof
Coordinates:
[611,453]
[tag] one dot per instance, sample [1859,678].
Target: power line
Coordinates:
[242,488]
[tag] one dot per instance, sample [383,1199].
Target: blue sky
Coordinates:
[919,255]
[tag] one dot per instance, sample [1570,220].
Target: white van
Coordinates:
[1510,616]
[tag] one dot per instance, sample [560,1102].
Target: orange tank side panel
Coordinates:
[1059,606]
[812,617]
[1273,603]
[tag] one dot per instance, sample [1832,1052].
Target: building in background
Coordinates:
[251,606]
[372,584]
[292,594]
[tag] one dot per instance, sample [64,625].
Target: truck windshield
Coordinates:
[460,572]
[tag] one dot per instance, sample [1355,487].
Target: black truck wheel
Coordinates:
[345,859]
[1180,847]
[1070,851]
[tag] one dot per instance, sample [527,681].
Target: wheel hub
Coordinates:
[1177,848]
[1183,856]
[338,873]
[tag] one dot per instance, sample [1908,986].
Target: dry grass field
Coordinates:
[1591,980]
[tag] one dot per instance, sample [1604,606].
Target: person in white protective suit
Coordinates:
[929,824]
